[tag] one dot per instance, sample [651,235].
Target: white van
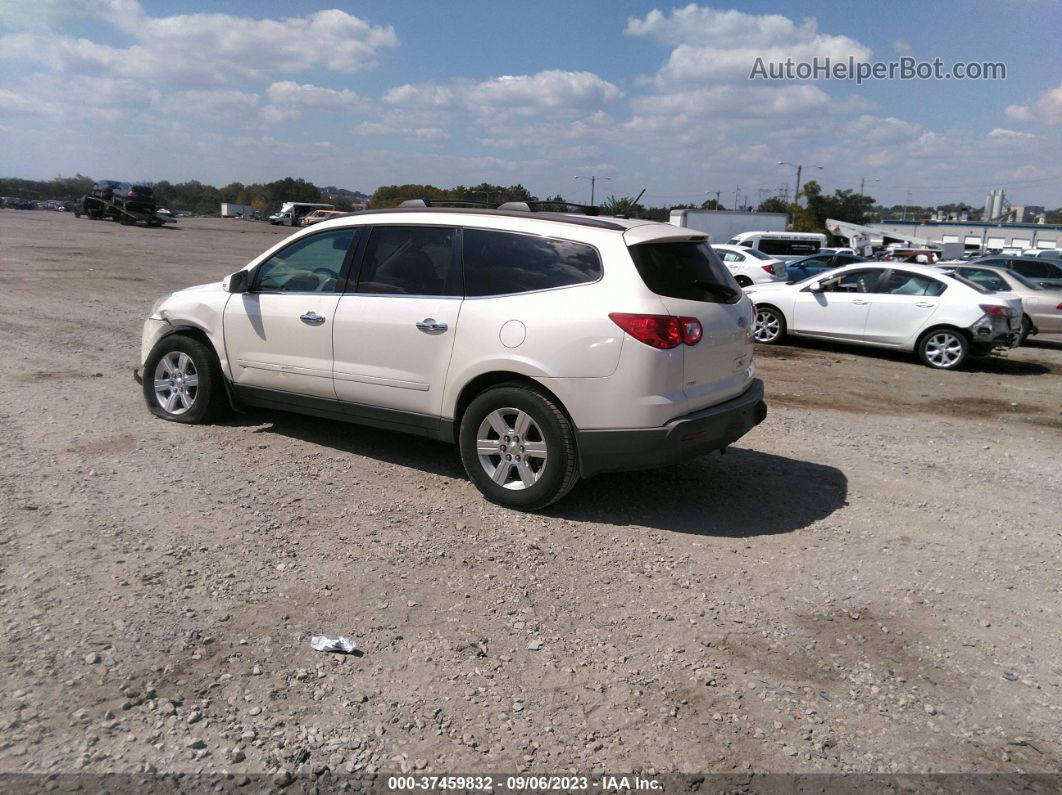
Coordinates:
[292,213]
[781,245]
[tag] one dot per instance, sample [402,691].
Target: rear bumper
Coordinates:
[695,434]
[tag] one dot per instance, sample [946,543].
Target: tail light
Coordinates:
[1059,306]
[660,331]
[997,311]
[768,268]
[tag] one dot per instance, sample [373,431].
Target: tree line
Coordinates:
[809,215]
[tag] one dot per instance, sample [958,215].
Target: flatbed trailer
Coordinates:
[100,209]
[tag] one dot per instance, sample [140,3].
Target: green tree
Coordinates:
[773,205]
[622,206]
[393,195]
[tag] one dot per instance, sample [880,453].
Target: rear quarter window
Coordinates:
[686,270]
[503,263]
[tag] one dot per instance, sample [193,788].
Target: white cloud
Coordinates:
[1004,135]
[712,45]
[902,47]
[550,91]
[288,99]
[214,103]
[211,49]
[1047,108]
[48,14]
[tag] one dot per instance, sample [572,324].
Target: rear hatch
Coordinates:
[691,281]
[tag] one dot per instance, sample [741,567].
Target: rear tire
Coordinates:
[518,447]
[769,327]
[943,349]
[183,381]
[743,281]
[1026,329]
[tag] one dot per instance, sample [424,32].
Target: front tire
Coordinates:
[944,349]
[770,328]
[183,381]
[518,447]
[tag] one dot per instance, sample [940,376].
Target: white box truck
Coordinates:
[722,225]
[229,210]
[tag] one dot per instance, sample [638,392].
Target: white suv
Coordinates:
[548,346]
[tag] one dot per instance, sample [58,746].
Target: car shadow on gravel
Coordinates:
[808,349]
[741,494]
[391,447]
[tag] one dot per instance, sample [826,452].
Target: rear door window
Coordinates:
[689,270]
[504,263]
[904,283]
[861,281]
[410,260]
[987,279]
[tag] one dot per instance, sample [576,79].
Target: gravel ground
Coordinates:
[868,582]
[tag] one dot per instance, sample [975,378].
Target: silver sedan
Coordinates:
[1042,305]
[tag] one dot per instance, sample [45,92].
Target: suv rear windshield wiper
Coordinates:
[718,290]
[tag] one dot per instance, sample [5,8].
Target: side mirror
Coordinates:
[237,282]
[817,287]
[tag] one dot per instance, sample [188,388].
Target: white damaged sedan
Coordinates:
[944,318]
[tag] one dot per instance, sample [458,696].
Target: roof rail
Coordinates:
[526,207]
[446,203]
[588,209]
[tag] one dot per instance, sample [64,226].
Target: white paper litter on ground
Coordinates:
[338,643]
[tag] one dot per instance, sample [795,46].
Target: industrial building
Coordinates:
[975,235]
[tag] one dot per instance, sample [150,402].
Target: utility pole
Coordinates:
[799,168]
[737,190]
[861,181]
[906,202]
[593,182]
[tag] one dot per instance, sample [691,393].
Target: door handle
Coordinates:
[925,305]
[860,303]
[430,325]
[312,319]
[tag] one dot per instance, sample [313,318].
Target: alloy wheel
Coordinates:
[511,448]
[944,349]
[176,382]
[768,326]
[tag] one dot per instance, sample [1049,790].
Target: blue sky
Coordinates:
[652,96]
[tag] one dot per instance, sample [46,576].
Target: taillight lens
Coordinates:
[995,311]
[1059,306]
[692,331]
[660,331]
[768,268]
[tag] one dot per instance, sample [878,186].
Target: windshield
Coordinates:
[685,270]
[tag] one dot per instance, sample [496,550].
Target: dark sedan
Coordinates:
[800,269]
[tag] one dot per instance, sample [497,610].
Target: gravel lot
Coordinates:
[870,581]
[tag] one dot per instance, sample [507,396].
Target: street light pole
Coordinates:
[593,182]
[861,181]
[799,168]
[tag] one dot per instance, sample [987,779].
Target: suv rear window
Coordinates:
[685,270]
[503,263]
